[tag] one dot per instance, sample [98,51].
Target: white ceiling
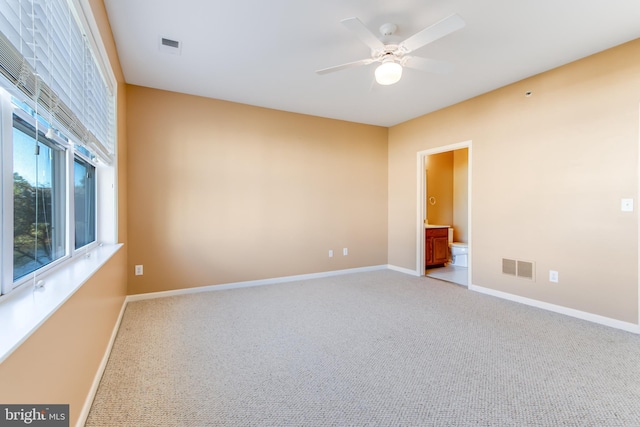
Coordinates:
[265,52]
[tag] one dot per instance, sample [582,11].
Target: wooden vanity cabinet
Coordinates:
[436,246]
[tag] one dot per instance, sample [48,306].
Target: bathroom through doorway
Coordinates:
[444,213]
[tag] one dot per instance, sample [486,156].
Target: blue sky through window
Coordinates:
[24,160]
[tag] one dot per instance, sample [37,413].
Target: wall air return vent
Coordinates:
[170,46]
[513,267]
[509,266]
[525,269]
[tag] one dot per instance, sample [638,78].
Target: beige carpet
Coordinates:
[367,349]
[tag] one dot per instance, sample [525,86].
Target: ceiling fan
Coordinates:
[393,57]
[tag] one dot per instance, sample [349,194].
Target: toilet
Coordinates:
[459,251]
[459,254]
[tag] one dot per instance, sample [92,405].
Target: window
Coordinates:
[84,201]
[57,138]
[51,218]
[38,200]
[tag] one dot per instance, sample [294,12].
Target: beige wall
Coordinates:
[58,363]
[222,192]
[548,173]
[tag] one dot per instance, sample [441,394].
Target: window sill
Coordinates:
[24,310]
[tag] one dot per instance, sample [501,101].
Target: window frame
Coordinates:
[9,108]
[70,153]
[6,230]
[61,189]
[72,214]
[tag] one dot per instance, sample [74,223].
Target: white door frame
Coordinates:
[422,202]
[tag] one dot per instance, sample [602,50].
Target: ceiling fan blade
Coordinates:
[345,66]
[428,65]
[432,33]
[363,33]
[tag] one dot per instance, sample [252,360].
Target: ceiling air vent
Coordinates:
[170,46]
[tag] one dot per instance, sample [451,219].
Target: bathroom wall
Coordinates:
[461,195]
[440,188]
[447,182]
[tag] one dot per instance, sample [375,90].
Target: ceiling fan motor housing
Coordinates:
[388,51]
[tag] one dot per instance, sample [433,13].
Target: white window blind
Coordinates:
[45,54]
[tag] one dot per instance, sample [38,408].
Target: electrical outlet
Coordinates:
[330,253]
[626,205]
[139,270]
[345,251]
[553,276]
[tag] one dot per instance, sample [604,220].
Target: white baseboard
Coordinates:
[590,317]
[82,419]
[262,282]
[403,270]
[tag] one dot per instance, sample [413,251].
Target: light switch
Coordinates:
[626,205]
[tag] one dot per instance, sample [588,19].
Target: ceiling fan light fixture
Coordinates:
[388,73]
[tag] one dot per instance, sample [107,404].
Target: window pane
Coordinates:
[38,198]
[85,202]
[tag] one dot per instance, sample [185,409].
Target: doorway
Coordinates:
[450,206]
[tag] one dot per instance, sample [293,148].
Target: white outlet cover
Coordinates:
[626,205]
